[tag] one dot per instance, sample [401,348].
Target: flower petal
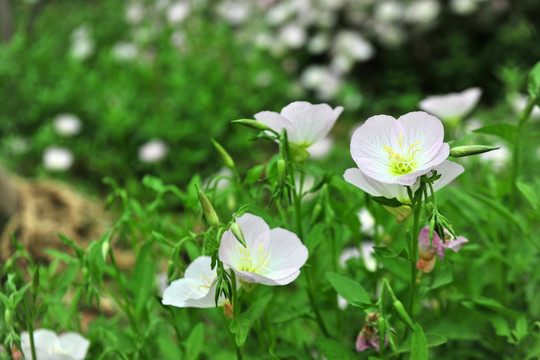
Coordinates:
[376,188]
[368,140]
[275,122]
[449,171]
[311,122]
[200,267]
[425,129]
[44,340]
[252,226]
[75,344]
[453,105]
[456,244]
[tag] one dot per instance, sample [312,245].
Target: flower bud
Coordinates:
[227,160]
[468,150]
[402,314]
[401,213]
[208,210]
[317,210]
[238,234]
[105,249]
[254,124]
[281,170]
[228,310]
[8,318]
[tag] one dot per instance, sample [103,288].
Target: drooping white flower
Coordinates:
[448,171]
[57,158]
[271,257]
[399,151]
[153,151]
[196,289]
[48,346]
[67,124]
[451,106]
[305,123]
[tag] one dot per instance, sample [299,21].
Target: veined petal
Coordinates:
[44,340]
[376,188]
[456,244]
[252,226]
[425,130]
[275,122]
[199,267]
[311,122]
[449,171]
[368,140]
[286,250]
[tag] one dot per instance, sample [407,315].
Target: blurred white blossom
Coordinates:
[125,51]
[178,12]
[67,125]
[57,158]
[82,44]
[49,346]
[235,12]
[135,12]
[293,36]
[422,11]
[519,102]
[153,151]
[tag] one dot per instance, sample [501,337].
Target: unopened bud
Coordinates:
[468,150]
[228,310]
[8,318]
[105,249]
[402,314]
[227,160]
[238,234]
[254,124]
[208,210]
[317,210]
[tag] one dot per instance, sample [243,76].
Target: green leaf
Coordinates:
[528,193]
[254,174]
[521,329]
[443,277]
[387,202]
[432,340]
[504,131]
[502,210]
[153,183]
[419,347]
[499,324]
[490,304]
[534,81]
[143,278]
[241,326]
[315,237]
[194,342]
[389,254]
[61,256]
[333,350]
[351,290]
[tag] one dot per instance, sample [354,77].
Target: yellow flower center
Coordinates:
[401,162]
[250,263]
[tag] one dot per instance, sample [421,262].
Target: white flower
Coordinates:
[196,289]
[235,12]
[318,43]
[448,171]
[271,257]
[451,106]
[293,36]
[353,45]
[388,11]
[399,151]
[134,13]
[67,124]
[367,222]
[67,346]
[153,151]
[82,45]
[57,158]
[125,51]
[178,12]
[305,123]
[422,11]
[463,7]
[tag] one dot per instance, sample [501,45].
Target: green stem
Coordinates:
[523,117]
[313,304]
[123,293]
[413,241]
[30,325]
[236,309]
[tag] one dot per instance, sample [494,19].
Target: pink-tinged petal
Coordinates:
[75,344]
[275,122]
[427,130]
[368,140]
[423,238]
[449,171]
[453,105]
[311,122]
[456,244]
[374,187]
[252,226]
[426,265]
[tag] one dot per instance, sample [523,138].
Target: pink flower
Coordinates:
[368,338]
[271,257]
[428,250]
[305,123]
[399,151]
